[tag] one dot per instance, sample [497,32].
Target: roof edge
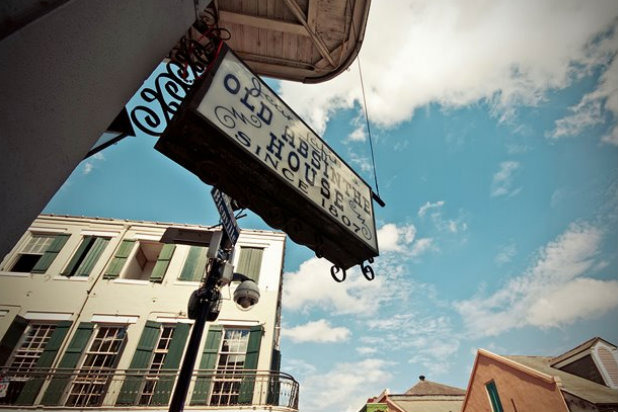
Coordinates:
[354,51]
[522,368]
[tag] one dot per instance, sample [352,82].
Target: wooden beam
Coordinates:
[262,23]
[317,41]
[312,14]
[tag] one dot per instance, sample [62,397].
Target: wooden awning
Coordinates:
[308,41]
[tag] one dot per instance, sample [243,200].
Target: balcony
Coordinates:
[116,389]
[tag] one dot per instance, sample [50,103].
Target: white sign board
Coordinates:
[257,120]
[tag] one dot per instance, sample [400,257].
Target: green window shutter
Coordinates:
[50,254]
[78,256]
[245,395]
[163,390]
[141,360]
[92,257]
[492,390]
[32,387]
[163,261]
[207,365]
[194,267]
[11,338]
[250,262]
[57,386]
[120,258]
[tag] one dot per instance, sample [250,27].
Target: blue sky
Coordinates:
[496,143]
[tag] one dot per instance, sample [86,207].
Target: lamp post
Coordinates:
[205,302]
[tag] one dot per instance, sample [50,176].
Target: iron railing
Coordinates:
[105,387]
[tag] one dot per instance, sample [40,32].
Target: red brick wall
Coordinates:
[518,391]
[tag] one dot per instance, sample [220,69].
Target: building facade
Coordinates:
[582,379]
[93,313]
[424,396]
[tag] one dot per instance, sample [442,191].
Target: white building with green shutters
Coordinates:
[93,314]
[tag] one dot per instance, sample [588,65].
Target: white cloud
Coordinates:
[358,135]
[319,331]
[581,298]
[366,350]
[442,224]
[394,239]
[555,281]
[591,108]
[345,387]
[430,339]
[428,206]
[312,287]
[421,246]
[88,166]
[502,182]
[457,53]
[505,254]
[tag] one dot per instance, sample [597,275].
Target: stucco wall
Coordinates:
[518,391]
[85,299]
[64,77]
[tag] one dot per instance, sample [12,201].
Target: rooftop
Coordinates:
[425,388]
[579,349]
[580,387]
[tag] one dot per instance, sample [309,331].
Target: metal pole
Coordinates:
[188,363]
[210,296]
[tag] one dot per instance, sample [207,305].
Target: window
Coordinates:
[25,348]
[226,374]
[90,384]
[38,253]
[144,259]
[230,366]
[29,351]
[158,352]
[494,398]
[86,256]
[250,262]
[140,261]
[25,357]
[156,364]
[194,267]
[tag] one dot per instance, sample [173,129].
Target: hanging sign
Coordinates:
[235,133]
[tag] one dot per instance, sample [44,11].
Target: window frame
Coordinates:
[25,242]
[152,377]
[85,255]
[228,378]
[51,327]
[494,397]
[84,373]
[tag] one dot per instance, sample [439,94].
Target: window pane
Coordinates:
[38,244]
[24,357]
[494,399]
[90,385]
[159,355]
[226,386]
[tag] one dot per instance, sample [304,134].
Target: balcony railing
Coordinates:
[105,387]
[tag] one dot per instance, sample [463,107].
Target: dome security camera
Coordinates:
[247,294]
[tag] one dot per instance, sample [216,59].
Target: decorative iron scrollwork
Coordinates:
[368,270]
[188,61]
[336,269]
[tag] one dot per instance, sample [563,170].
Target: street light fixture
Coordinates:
[205,302]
